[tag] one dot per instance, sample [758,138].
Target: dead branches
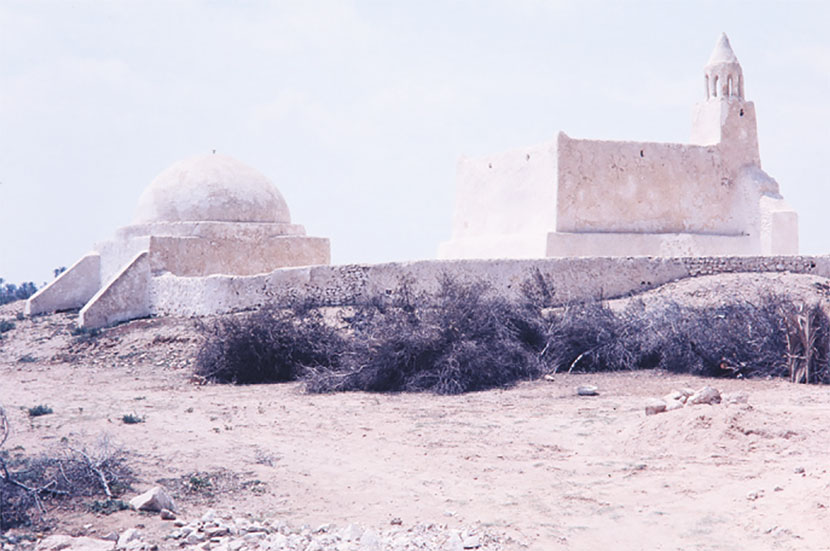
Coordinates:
[27,484]
[807,327]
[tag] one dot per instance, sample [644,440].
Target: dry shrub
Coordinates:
[731,339]
[807,328]
[29,483]
[590,337]
[465,337]
[462,339]
[267,346]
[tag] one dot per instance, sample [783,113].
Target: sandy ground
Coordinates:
[538,463]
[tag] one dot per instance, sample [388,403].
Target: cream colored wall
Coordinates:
[648,187]
[196,256]
[571,278]
[505,204]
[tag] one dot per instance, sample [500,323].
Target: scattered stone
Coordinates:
[739,397]
[68,543]
[706,395]
[279,535]
[351,532]
[798,470]
[396,521]
[153,500]
[675,396]
[167,514]
[127,536]
[471,542]
[454,542]
[549,377]
[655,406]
[752,496]
[370,541]
[587,390]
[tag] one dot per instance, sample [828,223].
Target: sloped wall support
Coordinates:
[72,289]
[124,298]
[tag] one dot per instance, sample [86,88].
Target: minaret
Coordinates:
[724,117]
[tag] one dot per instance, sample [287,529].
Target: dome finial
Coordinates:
[723,52]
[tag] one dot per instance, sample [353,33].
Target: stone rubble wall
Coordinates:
[572,279]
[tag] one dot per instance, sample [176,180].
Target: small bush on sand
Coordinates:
[131,419]
[39,410]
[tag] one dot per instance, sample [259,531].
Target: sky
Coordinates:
[359,111]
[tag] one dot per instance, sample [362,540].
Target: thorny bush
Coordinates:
[465,337]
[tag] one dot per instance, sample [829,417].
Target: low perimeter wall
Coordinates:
[573,279]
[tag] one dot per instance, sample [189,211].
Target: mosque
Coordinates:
[573,197]
[211,234]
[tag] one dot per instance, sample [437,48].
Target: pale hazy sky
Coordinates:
[359,111]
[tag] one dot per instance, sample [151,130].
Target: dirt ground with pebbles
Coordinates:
[531,467]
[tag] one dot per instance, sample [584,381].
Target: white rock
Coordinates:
[216,531]
[68,543]
[193,538]
[472,542]
[706,395]
[370,541]
[127,536]
[675,395]
[655,406]
[587,390]
[154,500]
[672,405]
[167,514]
[273,543]
[351,532]
[739,397]
[453,542]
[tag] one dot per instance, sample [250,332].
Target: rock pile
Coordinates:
[213,532]
[686,397]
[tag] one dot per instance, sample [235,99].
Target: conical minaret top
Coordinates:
[723,74]
[723,52]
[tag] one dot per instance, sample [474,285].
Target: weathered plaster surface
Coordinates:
[505,204]
[214,188]
[196,256]
[71,289]
[564,244]
[124,298]
[646,188]
[573,279]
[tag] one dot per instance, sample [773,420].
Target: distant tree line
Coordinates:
[9,292]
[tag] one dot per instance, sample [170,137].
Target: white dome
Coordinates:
[211,188]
